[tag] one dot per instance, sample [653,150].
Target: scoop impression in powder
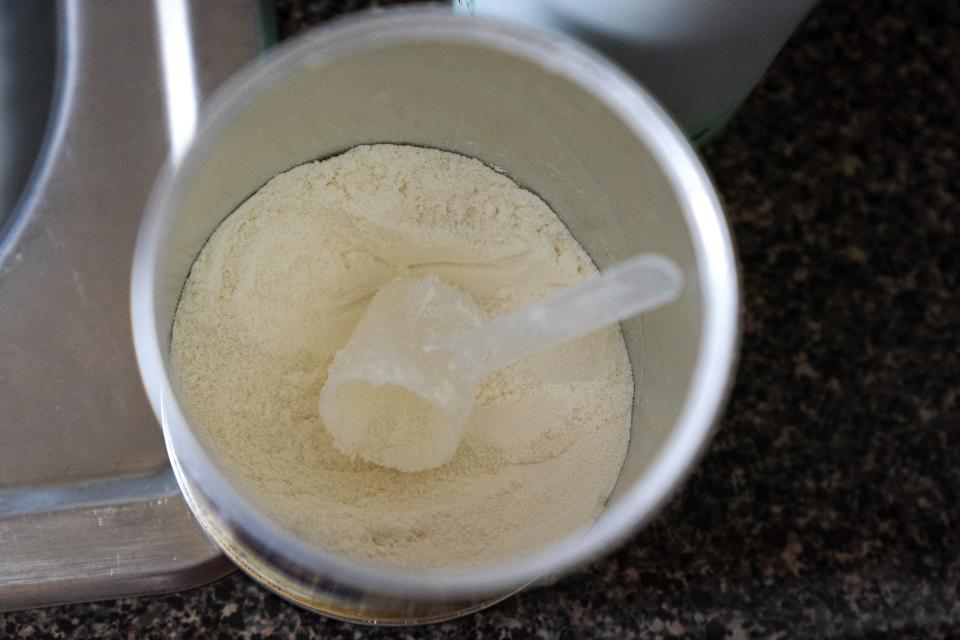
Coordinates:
[400,392]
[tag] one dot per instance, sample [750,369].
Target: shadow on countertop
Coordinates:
[827,505]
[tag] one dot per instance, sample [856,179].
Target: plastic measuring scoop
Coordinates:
[401,390]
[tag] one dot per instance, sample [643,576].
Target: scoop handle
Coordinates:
[622,291]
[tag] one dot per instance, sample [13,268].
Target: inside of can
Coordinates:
[549,134]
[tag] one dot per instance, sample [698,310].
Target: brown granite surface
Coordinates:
[829,503]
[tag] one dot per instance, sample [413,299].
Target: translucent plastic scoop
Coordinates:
[400,391]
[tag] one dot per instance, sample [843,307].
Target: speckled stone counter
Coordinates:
[828,504]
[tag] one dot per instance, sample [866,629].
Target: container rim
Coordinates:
[710,238]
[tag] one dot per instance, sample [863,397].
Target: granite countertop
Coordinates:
[828,504]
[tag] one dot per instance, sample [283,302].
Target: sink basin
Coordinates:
[28,48]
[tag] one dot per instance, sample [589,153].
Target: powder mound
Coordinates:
[276,293]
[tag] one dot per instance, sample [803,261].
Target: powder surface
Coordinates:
[277,291]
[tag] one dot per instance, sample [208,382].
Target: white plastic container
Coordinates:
[700,58]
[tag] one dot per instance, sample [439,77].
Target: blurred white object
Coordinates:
[700,58]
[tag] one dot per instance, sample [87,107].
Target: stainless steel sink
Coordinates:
[92,96]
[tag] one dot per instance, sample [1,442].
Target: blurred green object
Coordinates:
[699,58]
